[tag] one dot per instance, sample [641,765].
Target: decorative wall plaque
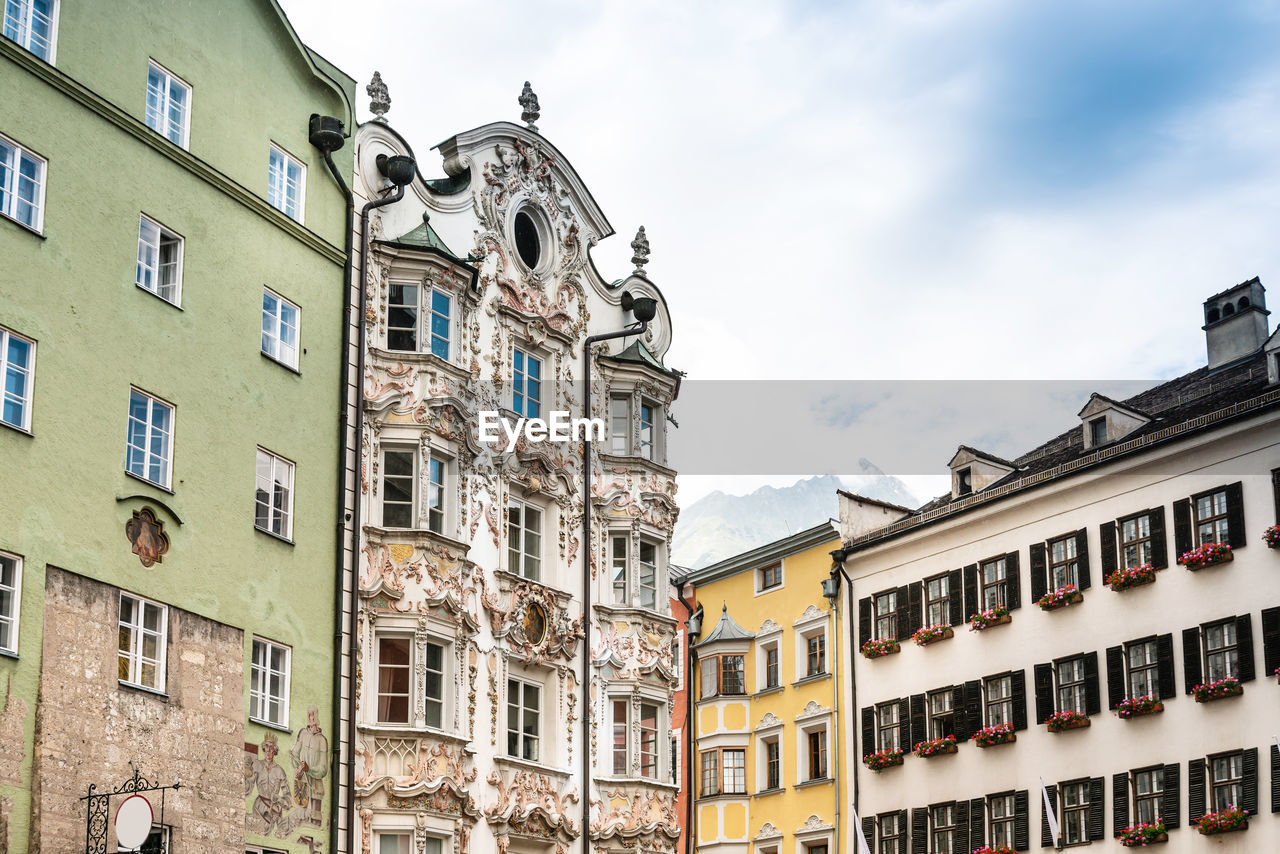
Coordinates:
[146,533]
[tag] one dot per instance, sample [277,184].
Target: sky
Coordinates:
[930,190]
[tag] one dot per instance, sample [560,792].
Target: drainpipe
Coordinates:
[690,739]
[835,711]
[838,558]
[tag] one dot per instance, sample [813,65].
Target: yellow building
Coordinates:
[766,702]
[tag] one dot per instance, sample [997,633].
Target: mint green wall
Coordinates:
[73,291]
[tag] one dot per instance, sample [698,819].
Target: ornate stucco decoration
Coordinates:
[767,831]
[406,767]
[811,614]
[769,721]
[812,709]
[637,647]
[512,620]
[813,824]
[379,98]
[640,246]
[439,575]
[531,805]
[768,627]
[638,814]
[147,537]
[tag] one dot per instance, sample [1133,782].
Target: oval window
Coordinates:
[527,243]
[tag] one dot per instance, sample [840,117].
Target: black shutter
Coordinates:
[1119,802]
[919,830]
[1195,790]
[904,614]
[972,709]
[1191,658]
[957,713]
[971,603]
[1019,696]
[868,730]
[1107,548]
[1046,838]
[1095,824]
[915,612]
[955,599]
[1039,572]
[977,824]
[1115,676]
[1275,778]
[1044,692]
[1159,543]
[1250,782]
[1092,690]
[1181,527]
[1170,800]
[1021,823]
[864,620]
[1237,536]
[904,730]
[902,832]
[1164,660]
[1275,489]
[1012,584]
[1270,640]
[1244,647]
[1082,558]
[961,844]
[869,831]
[918,729]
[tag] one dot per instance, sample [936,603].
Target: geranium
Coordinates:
[1059,721]
[988,618]
[1058,598]
[1271,537]
[994,849]
[929,634]
[876,648]
[882,759]
[946,744]
[1131,576]
[1223,821]
[1135,706]
[998,734]
[1142,835]
[1216,690]
[1206,555]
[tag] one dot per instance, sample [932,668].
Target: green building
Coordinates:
[172,252]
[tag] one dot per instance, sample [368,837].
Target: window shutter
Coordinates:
[1181,528]
[1164,659]
[1107,548]
[972,709]
[869,831]
[1250,781]
[1019,695]
[904,612]
[864,620]
[1046,838]
[1170,801]
[919,830]
[955,598]
[1270,640]
[1275,489]
[977,824]
[1115,676]
[1092,690]
[1275,778]
[902,835]
[868,730]
[1119,802]
[971,602]
[1095,824]
[958,713]
[1082,557]
[1012,584]
[960,845]
[1159,543]
[1044,692]
[1244,647]
[1237,536]
[918,728]
[915,615]
[1195,790]
[904,730]
[1191,658]
[1039,572]
[1021,822]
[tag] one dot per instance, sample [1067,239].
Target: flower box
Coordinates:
[995,735]
[931,634]
[1062,721]
[1139,706]
[1142,835]
[1271,537]
[878,648]
[1060,598]
[996,849]
[1209,554]
[1226,821]
[1131,576]
[936,747]
[882,759]
[983,620]
[1207,692]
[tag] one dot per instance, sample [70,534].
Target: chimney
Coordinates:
[1235,323]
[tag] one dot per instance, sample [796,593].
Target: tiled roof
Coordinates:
[726,630]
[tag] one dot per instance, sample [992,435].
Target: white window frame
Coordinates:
[169,79]
[802,652]
[803,730]
[12,177]
[526,355]
[759,578]
[406,834]
[11,620]
[28,370]
[274,346]
[538,737]
[436,506]
[149,428]
[164,236]
[633,750]
[276,465]
[429,313]
[376,717]
[412,453]
[134,654]
[765,737]
[260,695]
[522,556]
[281,204]
[25,32]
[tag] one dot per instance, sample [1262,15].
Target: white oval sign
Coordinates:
[133,822]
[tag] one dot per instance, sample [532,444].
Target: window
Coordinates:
[619,425]
[143,626]
[1144,669]
[771,577]
[722,674]
[394,670]
[31,23]
[168,105]
[772,764]
[886,615]
[157,841]
[524,539]
[1211,518]
[159,260]
[280,321]
[1148,789]
[817,754]
[646,430]
[648,574]
[150,437]
[398,480]
[647,725]
[888,727]
[816,654]
[999,691]
[441,312]
[815,848]
[269,683]
[433,667]
[10,599]
[710,773]
[528,245]
[994,585]
[1135,540]
[1227,781]
[1071,687]
[618,559]
[1001,809]
[648,740]
[524,708]
[273,495]
[964,482]
[1098,431]
[942,827]
[286,183]
[772,667]
[724,772]
[17,362]
[394,843]
[1221,652]
[21,184]
[1075,812]
[892,833]
[937,601]
[1063,565]
[942,713]
[435,494]
[526,384]
[403,311]
[674,776]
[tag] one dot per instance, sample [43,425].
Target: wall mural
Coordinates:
[279,802]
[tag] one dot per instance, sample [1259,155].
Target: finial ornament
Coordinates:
[529,102]
[641,248]
[379,98]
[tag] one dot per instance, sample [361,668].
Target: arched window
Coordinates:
[1243,304]
[1213,315]
[1228,309]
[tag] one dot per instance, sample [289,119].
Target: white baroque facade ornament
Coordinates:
[767,831]
[813,824]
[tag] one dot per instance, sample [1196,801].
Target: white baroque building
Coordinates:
[472,726]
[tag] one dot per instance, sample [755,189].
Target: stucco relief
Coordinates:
[439,575]
[514,621]
[526,794]
[637,814]
[636,647]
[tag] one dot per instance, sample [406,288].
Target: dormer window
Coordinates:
[1105,420]
[1098,431]
[973,471]
[964,482]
